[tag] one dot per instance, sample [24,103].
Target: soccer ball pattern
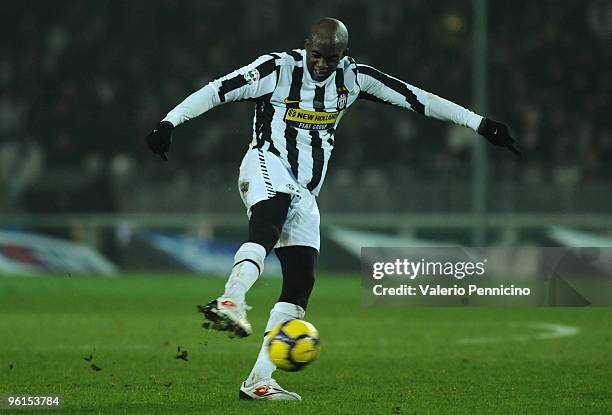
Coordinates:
[293,345]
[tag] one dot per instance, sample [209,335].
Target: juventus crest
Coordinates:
[342,98]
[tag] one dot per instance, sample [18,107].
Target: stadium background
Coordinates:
[82,83]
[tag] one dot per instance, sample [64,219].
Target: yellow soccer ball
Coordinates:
[293,345]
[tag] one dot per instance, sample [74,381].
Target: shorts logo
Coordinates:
[244,186]
[310,120]
[251,76]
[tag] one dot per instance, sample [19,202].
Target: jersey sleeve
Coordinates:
[251,82]
[380,87]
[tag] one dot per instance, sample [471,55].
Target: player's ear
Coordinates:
[345,53]
[307,43]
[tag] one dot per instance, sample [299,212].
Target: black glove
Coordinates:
[497,133]
[160,138]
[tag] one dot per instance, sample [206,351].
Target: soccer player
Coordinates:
[300,97]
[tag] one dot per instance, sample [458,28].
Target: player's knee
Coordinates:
[265,235]
[267,219]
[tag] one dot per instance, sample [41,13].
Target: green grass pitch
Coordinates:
[373,361]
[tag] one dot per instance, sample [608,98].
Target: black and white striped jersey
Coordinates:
[296,117]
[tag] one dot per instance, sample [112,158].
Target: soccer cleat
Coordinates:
[266,389]
[225,314]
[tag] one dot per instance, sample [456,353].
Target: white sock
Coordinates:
[281,312]
[248,266]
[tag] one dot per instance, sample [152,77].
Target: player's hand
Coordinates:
[160,138]
[497,133]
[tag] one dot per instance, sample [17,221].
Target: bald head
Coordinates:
[325,47]
[331,32]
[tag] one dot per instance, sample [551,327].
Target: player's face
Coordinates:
[322,58]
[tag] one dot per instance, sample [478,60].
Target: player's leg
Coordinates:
[298,266]
[265,225]
[228,312]
[297,251]
[265,187]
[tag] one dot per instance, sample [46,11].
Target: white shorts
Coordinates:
[262,175]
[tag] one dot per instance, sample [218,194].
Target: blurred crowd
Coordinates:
[83,82]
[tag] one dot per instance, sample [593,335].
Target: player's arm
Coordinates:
[380,87]
[250,82]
